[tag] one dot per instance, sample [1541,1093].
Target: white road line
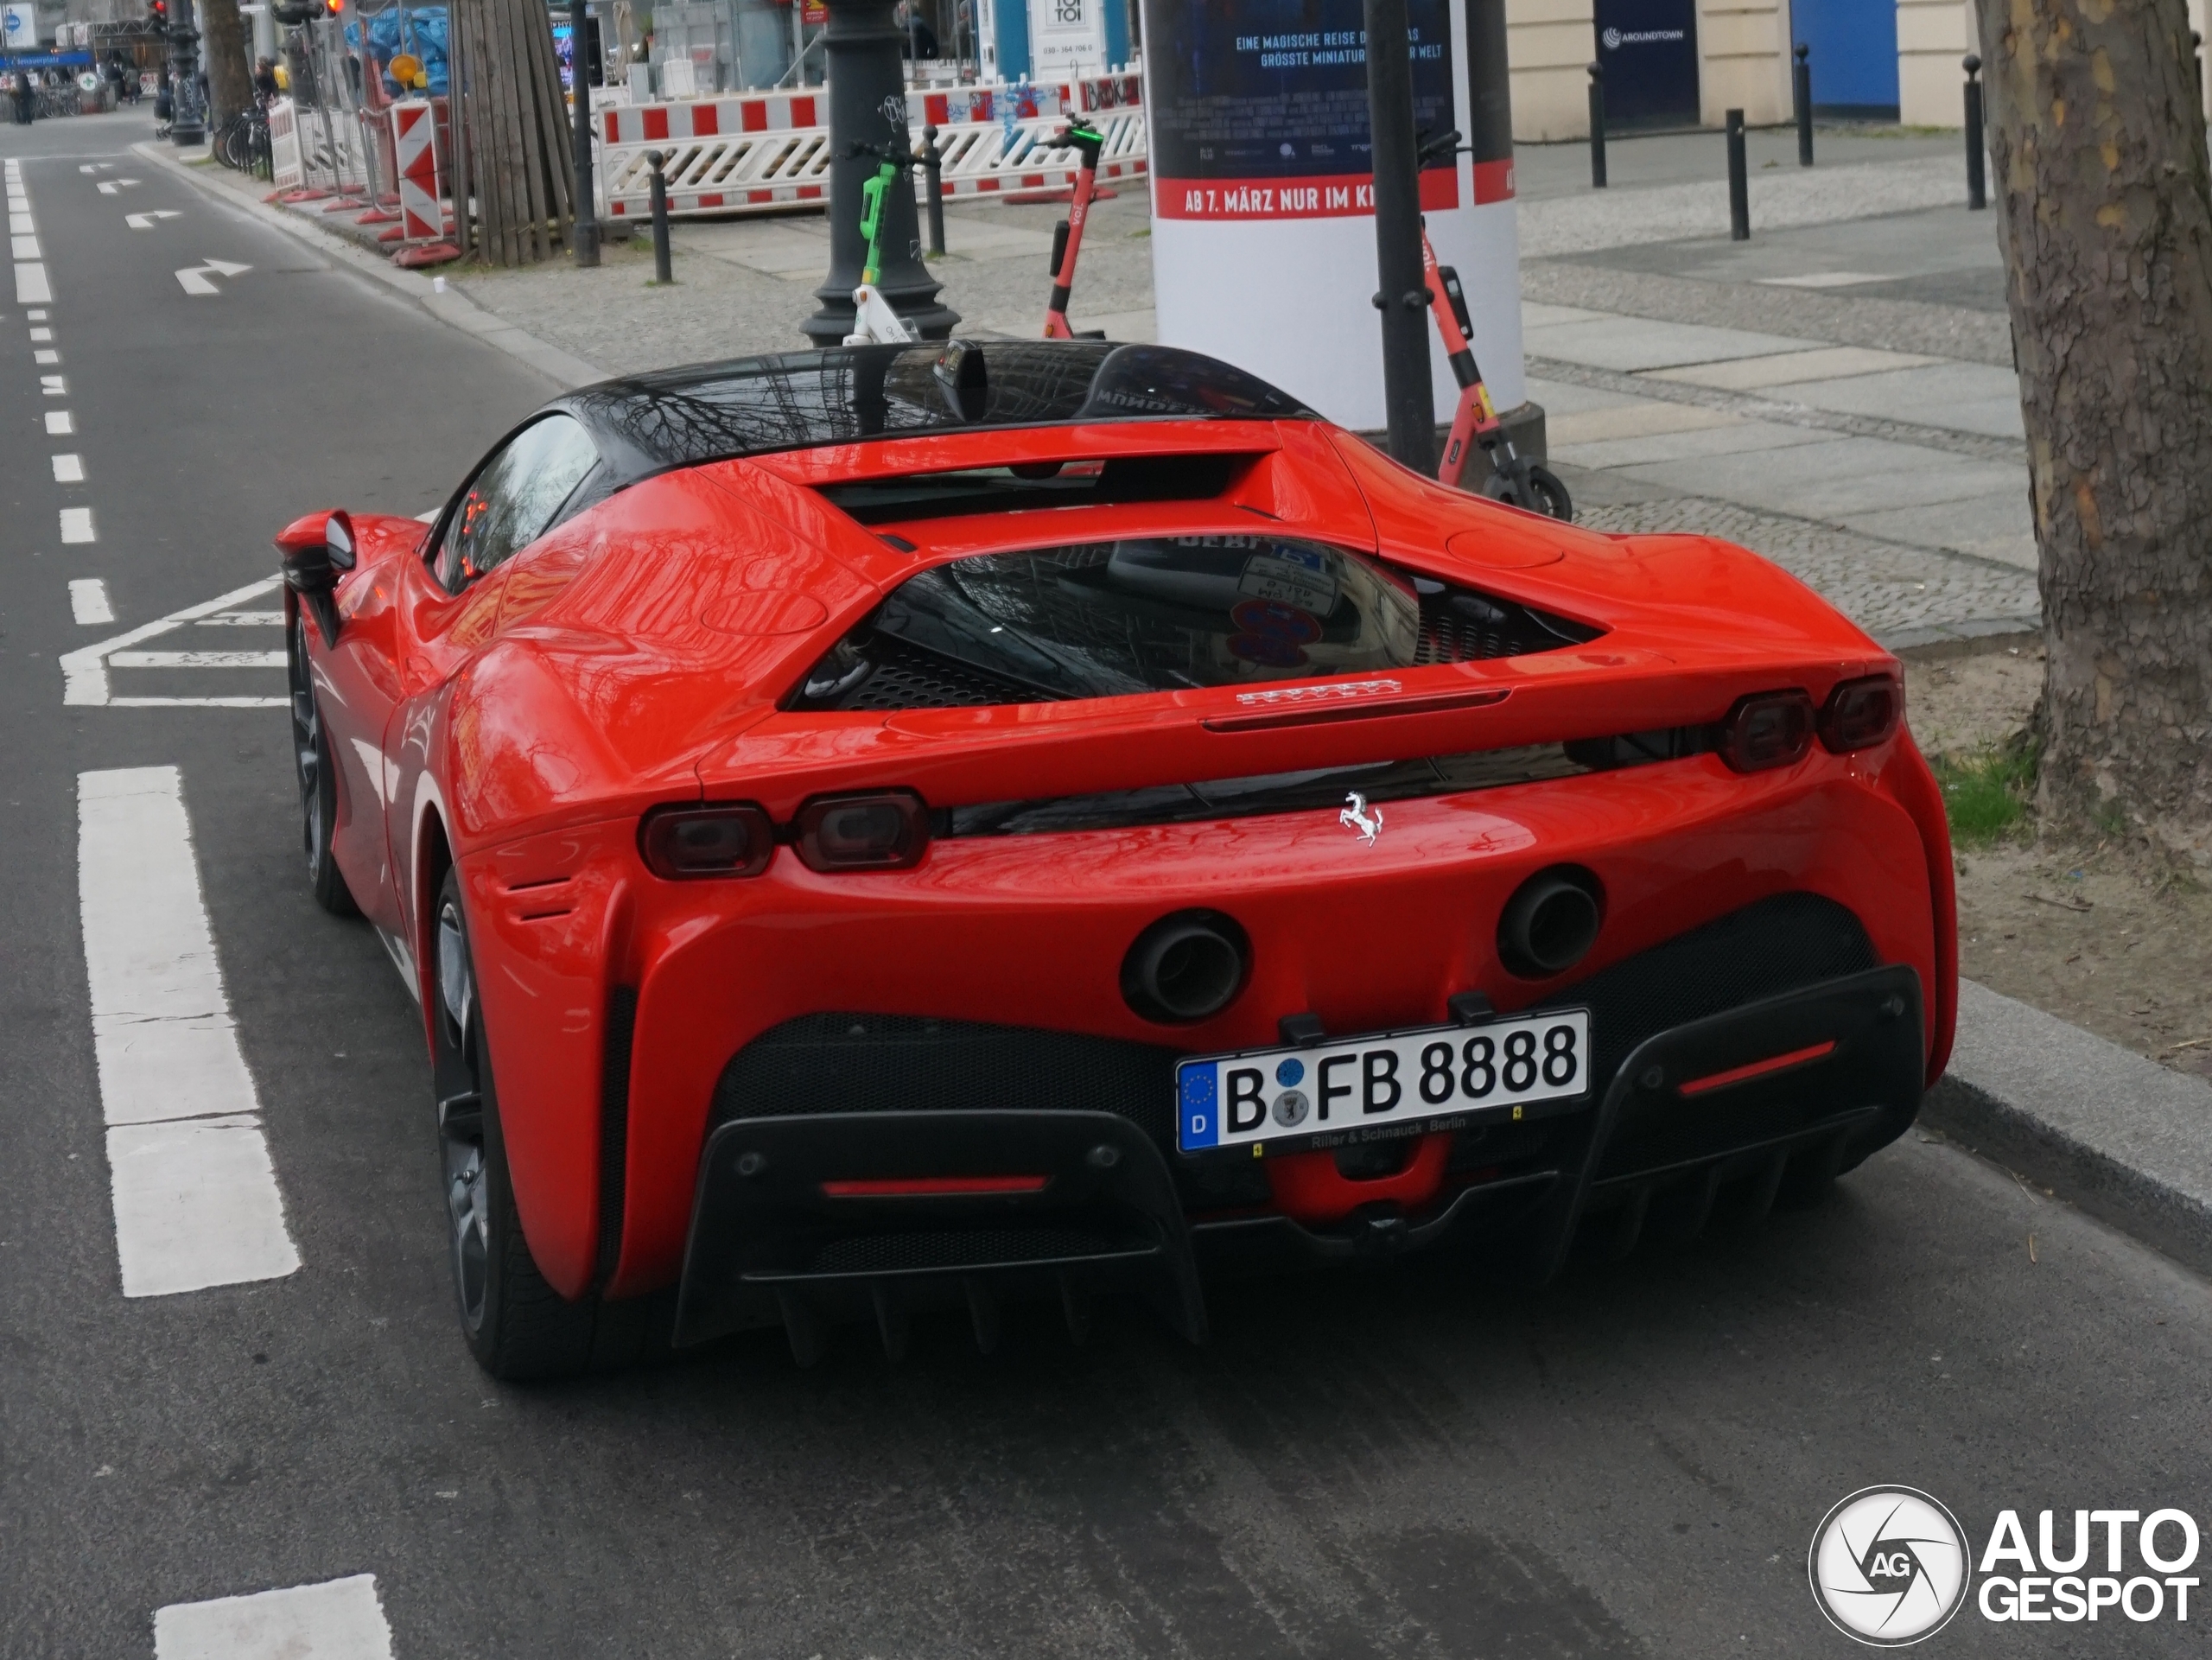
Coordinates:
[60,424]
[26,247]
[244,620]
[85,671]
[106,189]
[31,286]
[45,355]
[35,316]
[19,224]
[196,1200]
[68,469]
[77,525]
[88,600]
[195,660]
[341,1621]
[193,280]
[53,386]
[38,334]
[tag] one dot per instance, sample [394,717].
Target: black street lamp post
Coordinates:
[867,123]
[188,110]
[586,233]
[1409,395]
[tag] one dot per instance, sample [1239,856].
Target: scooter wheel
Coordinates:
[1543,492]
[1551,493]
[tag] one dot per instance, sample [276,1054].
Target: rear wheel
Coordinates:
[318,782]
[515,1322]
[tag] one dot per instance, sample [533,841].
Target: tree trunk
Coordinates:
[2100,169]
[230,80]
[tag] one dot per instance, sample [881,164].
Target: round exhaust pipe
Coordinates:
[1550,923]
[1186,967]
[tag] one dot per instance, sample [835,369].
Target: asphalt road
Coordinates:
[1418,1462]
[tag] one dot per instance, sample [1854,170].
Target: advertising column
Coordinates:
[1263,234]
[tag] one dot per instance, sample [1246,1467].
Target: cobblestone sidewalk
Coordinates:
[1902,595]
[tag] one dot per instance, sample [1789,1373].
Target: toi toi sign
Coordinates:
[18,27]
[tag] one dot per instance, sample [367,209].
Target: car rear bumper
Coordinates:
[810,1218]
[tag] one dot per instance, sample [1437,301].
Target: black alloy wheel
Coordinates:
[318,780]
[517,1324]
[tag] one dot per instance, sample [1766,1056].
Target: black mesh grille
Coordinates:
[906,676]
[889,1253]
[1457,626]
[1762,951]
[897,1063]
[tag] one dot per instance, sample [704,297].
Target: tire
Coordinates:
[516,1325]
[1545,492]
[318,782]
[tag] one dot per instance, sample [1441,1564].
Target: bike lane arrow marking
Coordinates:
[194,277]
[146,221]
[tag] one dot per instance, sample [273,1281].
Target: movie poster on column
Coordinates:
[1259,109]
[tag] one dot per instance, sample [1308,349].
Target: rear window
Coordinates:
[1157,613]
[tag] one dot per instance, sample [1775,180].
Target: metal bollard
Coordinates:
[1597,126]
[1977,184]
[664,272]
[1740,184]
[1801,92]
[933,175]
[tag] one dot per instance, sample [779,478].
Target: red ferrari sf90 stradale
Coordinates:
[932,825]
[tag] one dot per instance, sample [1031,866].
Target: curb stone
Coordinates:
[2125,1139]
[452,308]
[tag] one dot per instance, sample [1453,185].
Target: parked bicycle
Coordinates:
[242,144]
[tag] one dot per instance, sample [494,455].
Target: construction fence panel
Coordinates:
[771,152]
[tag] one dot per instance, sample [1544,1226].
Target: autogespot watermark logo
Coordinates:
[1889,1566]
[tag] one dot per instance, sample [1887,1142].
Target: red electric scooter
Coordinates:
[1067,235]
[1513,478]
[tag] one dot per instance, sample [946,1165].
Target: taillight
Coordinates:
[1771,728]
[1860,714]
[726,839]
[884,831]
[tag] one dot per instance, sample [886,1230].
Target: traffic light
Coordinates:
[157,14]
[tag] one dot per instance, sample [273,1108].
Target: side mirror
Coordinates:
[316,551]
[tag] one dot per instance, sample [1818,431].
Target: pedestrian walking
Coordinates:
[26,98]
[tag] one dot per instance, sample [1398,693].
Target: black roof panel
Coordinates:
[755,406]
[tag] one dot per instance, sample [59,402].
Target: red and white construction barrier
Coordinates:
[772,149]
[414,142]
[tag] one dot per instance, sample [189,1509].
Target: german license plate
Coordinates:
[1358,1089]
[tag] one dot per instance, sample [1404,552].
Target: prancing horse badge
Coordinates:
[1356,816]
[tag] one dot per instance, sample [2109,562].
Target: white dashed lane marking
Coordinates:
[88,600]
[68,469]
[38,334]
[341,1621]
[31,287]
[195,660]
[60,424]
[196,1201]
[77,525]
[46,354]
[84,672]
[53,386]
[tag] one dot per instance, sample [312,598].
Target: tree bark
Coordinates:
[2106,223]
[229,80]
